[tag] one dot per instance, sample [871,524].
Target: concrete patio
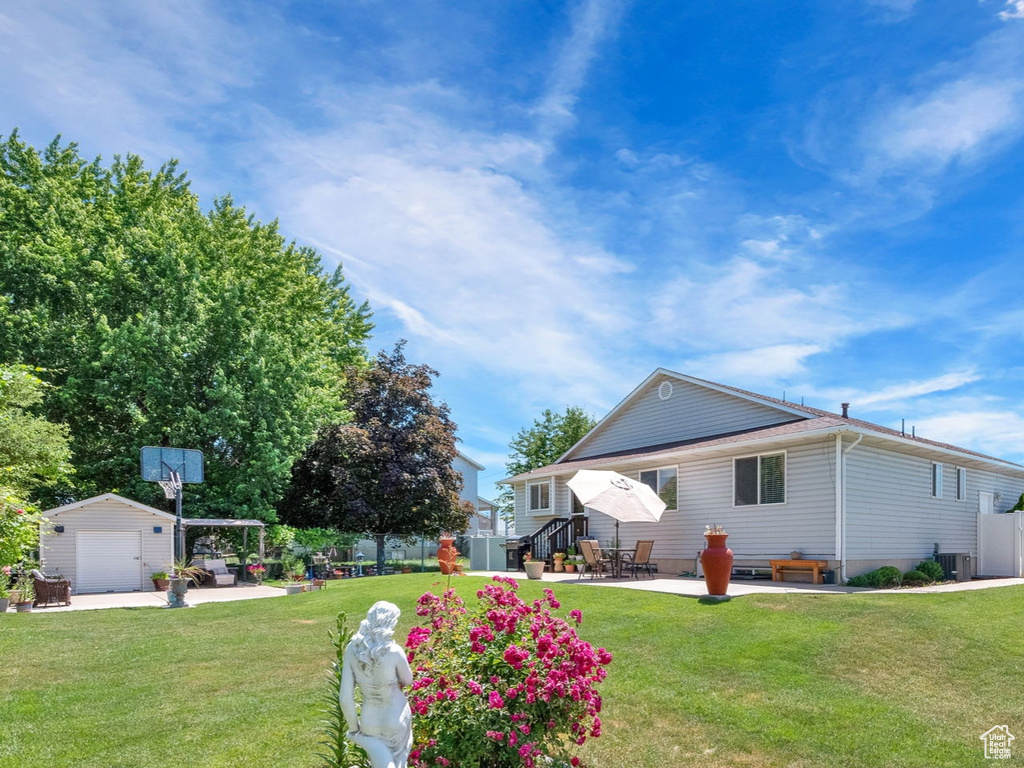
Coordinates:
[159,599]
[691,587]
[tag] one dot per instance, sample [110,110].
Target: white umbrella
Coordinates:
[617,496]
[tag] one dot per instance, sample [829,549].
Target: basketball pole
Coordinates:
[179,539]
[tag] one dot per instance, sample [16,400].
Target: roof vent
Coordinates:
[665,390]
[846,410]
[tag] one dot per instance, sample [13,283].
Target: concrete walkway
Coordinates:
[690,587]
[159,599]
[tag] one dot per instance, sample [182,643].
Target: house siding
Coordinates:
[692,411]
[805,522]
[892,515]
[59,552]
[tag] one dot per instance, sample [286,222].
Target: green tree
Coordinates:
[541,444]
[33,454]
[388,471]
[160,324]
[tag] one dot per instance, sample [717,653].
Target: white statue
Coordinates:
[375,663]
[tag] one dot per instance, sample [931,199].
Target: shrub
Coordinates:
[503,685]
[931,569]
[881,578]
[915,579]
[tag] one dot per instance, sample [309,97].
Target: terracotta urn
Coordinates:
[446,554]
[716,560]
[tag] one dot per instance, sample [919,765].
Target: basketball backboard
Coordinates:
[158,463]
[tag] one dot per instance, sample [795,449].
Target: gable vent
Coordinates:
[665,390]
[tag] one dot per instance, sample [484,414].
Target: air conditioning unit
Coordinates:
[956,565]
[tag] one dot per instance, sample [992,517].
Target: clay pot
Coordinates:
[570,567]
[446,555]
[716,560]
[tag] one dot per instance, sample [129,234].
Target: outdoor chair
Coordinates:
[593,560]
[50,589]
[641,558]
[218,571]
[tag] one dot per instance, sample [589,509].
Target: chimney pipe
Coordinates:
[846,410]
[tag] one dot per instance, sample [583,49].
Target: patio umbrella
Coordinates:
[617,496]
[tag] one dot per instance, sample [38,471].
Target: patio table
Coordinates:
[615,555]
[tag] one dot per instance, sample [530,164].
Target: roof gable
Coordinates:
[669,407]
[108,497]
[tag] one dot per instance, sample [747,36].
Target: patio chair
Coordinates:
[641,558]
[218,571]
[50,589]
[593,560]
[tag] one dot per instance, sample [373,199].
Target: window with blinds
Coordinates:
[759,480]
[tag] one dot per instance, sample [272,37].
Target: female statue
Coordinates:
[375,663]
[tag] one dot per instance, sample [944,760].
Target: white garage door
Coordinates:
[109,561]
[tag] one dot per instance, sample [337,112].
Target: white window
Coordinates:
[759,479]
[937,480]
[961,484]
[663,482]
[538,496]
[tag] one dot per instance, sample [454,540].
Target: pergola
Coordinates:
[245,525]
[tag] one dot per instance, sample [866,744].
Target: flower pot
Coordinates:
[794,555]
[446,555]
[559,563]
[534,569]
[716,560]
[406,569]
[570,567]
[24,607]
[161,585]
[293,589]
[3,604]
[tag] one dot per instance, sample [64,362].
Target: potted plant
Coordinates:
[570,559]
[257,571]
[161,581]
[182,575]
[447,554]
[716,560]
[24,592]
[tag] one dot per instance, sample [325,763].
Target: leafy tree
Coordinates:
[387,472]
[160,324]
[33,453]
[541,444]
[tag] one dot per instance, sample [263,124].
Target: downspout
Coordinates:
[841,501]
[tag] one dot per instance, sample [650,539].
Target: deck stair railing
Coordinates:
[540,546]
[566,534]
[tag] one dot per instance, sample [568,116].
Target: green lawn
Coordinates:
[790,680]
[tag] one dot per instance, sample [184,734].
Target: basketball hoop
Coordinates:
[172,486]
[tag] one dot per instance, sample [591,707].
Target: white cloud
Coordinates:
[896,395]
[592,23]
[997,433]
[757,364]
[957,121]
[1014,10]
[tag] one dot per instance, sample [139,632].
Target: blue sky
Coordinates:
[550,200]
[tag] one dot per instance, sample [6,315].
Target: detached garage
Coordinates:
[107,544]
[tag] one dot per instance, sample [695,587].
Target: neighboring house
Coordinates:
[107,544]
[778,476]
[468,470]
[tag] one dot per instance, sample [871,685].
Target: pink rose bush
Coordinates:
[502,684]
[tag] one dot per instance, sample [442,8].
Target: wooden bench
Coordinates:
[814,567]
